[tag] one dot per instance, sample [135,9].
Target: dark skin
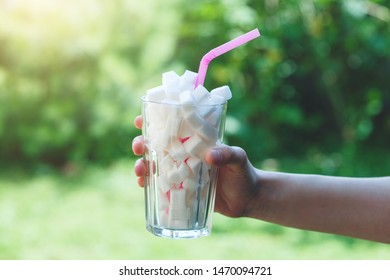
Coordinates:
[355,207]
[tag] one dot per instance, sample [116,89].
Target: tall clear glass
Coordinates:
[179,184]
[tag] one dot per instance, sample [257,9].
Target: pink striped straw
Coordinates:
[208,57]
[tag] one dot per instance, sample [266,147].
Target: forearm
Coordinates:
[354,207]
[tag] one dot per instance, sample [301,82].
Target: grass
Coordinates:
[99,214]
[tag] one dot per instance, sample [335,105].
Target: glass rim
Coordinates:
[144,100]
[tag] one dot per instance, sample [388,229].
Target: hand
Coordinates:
[356,207]
[139,149]
[237,185]
[237,181]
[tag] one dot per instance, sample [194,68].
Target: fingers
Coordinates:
[139,149]
[141,181]
[138,142]
[234,157]
[140,171]
[138,145]
[138,122]
[140,168]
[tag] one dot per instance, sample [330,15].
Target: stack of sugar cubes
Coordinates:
[178,135]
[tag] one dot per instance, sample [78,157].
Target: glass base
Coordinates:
[178,233]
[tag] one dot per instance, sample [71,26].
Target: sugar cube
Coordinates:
[186,99]
[223,92]
[190,184]
[193,164]
[192,118]
[195,145]
[177,152]
[208,133]
[163,183]
[170,76]
[216,99]
[176,175]
[187,80]
[189,77]
[156,94]
[163,202]
[200,94]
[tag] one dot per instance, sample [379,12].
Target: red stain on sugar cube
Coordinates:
[169,195]
[184,139]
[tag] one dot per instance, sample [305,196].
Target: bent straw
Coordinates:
[208,57]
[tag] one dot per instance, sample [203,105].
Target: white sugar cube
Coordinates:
[176,175]
[189,77]
[165,164]
[187,80]
[177,152]
[172,90]
[171,108]
[206,106]
[200,94]
[191,184]
[193,164]
[178,199]
[185,131]
[156,94]
[163,183]
[216,99]
[206,110]
[163,202]
[163,218]
[161,139]
[173,126]
[184,86]
[186,99]
[184,171]
[208,133]
[173,176]
[223,92]
[195,145]
[178,211]
[192,118]
[154,144]
[154,115]
[170,76]
[214,117]
[171,83]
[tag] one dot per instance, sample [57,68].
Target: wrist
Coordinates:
[259,206]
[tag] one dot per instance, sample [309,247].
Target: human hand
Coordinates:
[237,185]
[329,204]
[139,149]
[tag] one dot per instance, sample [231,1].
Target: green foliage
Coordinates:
[317,79]
[70,75]
[316,83]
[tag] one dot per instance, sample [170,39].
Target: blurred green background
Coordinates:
[311,95]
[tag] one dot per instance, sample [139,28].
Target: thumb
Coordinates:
[233,157]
